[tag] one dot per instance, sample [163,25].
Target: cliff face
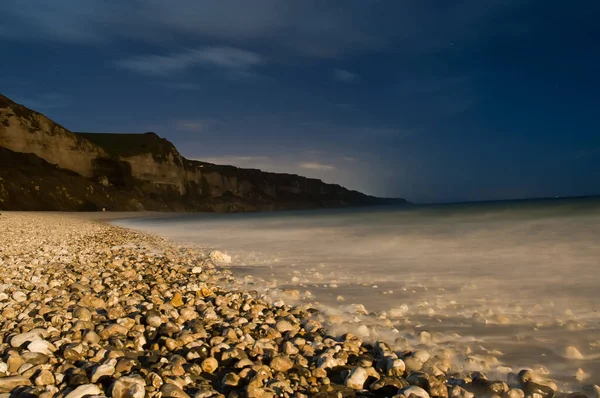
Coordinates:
[23,130]
[139,171]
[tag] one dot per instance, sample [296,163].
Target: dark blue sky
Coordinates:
[430,100]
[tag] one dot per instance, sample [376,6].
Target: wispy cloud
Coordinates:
[228,58]
[345,76]
[316,166]
[319,29]
[193,125]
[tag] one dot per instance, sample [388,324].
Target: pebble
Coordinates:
[22,338]
[44,378]
[7,384]
[414,391]
[219,257]
[573,353]
[104,370]
[41,347]
[209,365]
[128,387]
[84,390]
[281,363]
[356,379]
[172,391]
[19,297]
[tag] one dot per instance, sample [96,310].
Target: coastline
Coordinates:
[138,313]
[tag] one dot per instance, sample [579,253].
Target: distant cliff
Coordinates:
[89,171]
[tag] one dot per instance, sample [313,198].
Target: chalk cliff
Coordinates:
[138,171]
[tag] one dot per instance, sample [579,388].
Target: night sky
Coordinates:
[431,100]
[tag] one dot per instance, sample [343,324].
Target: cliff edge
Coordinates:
[44,166]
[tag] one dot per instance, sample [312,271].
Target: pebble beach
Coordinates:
[88,309]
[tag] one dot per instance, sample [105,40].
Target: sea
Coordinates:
[495,286]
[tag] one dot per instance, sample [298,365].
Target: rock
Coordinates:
[22,338]
[153,319]
[91,337]
[231,379]
[196,270]
[284,326]
[219,257]
[209,365]
[19,296]
[281,363]
[253,391]
[290,349]
[14,362]
[413,364]
[437,388]
[83,314]
[388,386]
[535,384]
[7,384]
[356,379]
[573,353]
[84,391]
[459,392]
[414,391]
[128,387]
[581,375]
[105,370]
[44,378]
[419,379]
[41,346]
[396,367]
[9,313]
[515,393]
[172,391]
[177,300]
[421,355]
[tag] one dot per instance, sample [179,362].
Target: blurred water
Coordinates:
[519,278]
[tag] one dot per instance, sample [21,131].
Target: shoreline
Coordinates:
[140,313]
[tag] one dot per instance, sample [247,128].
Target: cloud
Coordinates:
[193,125]
[228,58]
[316,166]
[344,76]
[315,29]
